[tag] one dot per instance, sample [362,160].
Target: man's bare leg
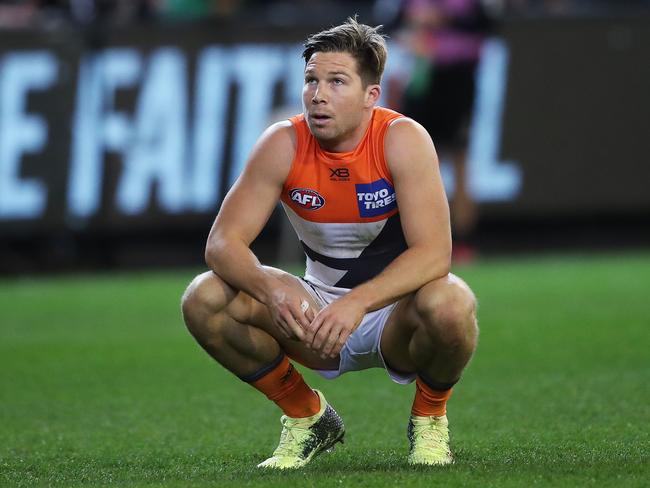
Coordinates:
[464,210]
[238,332]
[432,333]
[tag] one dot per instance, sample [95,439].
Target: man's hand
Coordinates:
[290,312]
[333,325]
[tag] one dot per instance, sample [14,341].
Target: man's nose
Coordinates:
[320,95]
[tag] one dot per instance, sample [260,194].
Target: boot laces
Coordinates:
[430,435]
[292,438]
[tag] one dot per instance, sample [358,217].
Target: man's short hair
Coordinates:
[364,43]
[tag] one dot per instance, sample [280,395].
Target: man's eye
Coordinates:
[338,81]
[310,81]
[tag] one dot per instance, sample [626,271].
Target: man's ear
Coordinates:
[373,92]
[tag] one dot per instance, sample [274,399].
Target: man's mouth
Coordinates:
[320,117]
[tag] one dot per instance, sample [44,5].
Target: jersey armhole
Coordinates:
[383,165]
[300,144]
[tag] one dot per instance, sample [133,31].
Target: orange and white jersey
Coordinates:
[343,206]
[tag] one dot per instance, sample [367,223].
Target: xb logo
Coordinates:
[339,174]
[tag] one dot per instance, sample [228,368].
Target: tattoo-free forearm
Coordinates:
[408,272]
[236,264]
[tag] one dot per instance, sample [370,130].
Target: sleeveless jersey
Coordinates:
[343,206]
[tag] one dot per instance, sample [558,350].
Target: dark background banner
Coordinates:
[132,138]
[577,115]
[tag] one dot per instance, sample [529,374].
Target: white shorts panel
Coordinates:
[362,350]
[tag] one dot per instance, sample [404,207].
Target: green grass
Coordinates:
[101,385]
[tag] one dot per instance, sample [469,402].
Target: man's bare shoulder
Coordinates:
[274,151]
[284,127]
[404,130]
[279,136]
[407,141]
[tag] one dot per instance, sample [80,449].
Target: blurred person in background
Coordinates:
[362,187]
[88,14]
[21,14]
[445,38]
[186,10]
[553,8]
[97,17]
[113,12]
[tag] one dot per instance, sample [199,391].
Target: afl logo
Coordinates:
[306,198]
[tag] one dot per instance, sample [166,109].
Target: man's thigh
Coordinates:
[404,321]
[247,310]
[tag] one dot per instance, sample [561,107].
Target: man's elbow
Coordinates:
[442,269]
[214,250]
[441,265]
[210,256]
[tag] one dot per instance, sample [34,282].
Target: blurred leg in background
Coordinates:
[445,39]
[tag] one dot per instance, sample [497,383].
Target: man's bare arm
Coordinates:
[242,216]
[424,213]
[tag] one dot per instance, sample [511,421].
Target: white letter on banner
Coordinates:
[21,133]
[210,105]
[157,153]
[491,179]
[96,127]
[257,69]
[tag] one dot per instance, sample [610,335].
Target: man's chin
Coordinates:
[322,133]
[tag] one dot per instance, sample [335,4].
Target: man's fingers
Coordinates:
[312,330]
[343,337]
[294,327]
[321,335]
[298,315]
[330,342]
[310,313]
[284,329]
[297,330]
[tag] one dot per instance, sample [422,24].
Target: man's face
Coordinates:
[334,98]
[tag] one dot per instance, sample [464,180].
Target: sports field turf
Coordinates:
[101,385]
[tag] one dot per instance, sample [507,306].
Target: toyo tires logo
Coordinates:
[376,198]
[306,198]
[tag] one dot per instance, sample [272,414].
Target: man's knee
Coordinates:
[207,294]
[447,308]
